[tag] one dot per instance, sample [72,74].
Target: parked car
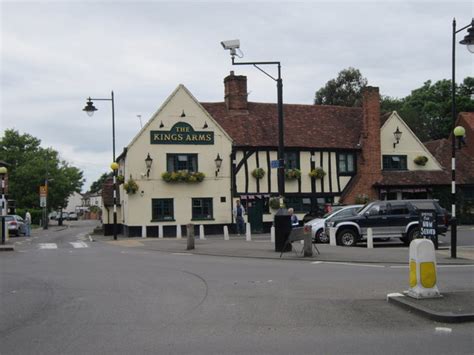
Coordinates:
[317,224]
[72,216]
[15,224]
[64,216]
[395,218]
[53,215]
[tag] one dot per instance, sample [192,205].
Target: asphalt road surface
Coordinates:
[63,294]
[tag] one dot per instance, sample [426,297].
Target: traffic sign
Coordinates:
[44,190]
[43,201]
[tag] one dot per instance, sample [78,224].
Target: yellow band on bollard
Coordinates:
[428,274]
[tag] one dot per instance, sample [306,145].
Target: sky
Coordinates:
[55,54]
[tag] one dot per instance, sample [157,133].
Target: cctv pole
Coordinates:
[281,144]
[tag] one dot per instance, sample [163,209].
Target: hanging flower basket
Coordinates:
[183,176]
[292,174]
[130,186]
[317,173]
[120,179]
[258,173]
[420,160]
[362,199]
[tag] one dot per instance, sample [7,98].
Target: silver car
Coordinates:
[15,224]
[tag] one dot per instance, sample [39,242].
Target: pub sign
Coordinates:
[181,133]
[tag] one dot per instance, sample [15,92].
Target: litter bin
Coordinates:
[282,223]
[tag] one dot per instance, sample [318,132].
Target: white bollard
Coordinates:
[422,270]
[248,235]
[143,231]
[226,233]
[370,239]
[272,234]
[160,231]
[201,232]
[178,231]
[332,236]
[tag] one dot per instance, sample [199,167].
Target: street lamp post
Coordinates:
[233,45]
[469,41]
[90,109]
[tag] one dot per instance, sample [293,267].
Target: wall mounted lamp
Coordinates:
[183,114]
[397,134]
[205,125]
[218,162]
[161,124]
[148,162]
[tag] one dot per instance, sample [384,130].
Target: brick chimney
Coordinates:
[235,92]
[369,166]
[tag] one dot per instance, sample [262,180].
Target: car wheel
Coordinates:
[413,233]
[321,238]
[347,238]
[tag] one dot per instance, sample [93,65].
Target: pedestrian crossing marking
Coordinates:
[48,246]
[79,244]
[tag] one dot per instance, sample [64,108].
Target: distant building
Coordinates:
[74,202]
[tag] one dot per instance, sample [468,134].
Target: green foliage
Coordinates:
[29,167]
[258,173]
[420,160]
[427,110]
[183,176]
[36,214]
[274,203]
[120,179]
[96,186]
[292,174]
[95,209]
[131,187]
[345,90]
[317,173]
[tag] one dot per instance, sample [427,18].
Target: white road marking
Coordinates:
[443,330]
[349,264]
[48,246]
[398,267]
[448,266]
[79,245]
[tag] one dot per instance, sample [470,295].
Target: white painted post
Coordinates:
[332,236]
[370,239]
[248,235]
[143,231]
[272,234]
[178,231]
[201,232]
[160,231]
[226,233]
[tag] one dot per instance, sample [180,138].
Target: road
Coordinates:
[62,294]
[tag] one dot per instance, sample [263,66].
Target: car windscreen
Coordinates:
[335,209]
[424,205]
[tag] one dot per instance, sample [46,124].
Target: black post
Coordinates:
[114,170]
[453,149]
[281,143]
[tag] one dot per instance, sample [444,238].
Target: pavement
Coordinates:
[450,308]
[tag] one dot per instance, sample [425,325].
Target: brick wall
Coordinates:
[369,169]
[235,92]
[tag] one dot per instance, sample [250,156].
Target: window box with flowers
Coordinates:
[292,174]
[420,160]
[183,176]
[130,187]
[317,173]
[258,173]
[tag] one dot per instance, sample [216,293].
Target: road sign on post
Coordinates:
[429,225]
[43,191]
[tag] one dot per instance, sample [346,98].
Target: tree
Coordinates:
[96,186]
[427,110]
[30,165]
[345,90]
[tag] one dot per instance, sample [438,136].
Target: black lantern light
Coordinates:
[218,162]
[148,162]
[89,108]
[397,134]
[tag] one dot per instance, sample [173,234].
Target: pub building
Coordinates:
[192,161]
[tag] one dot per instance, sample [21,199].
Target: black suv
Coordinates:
[396,218]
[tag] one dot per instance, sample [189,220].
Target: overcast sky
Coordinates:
[56,54]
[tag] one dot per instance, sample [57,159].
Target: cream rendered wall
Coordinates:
[409,144]
[137,207]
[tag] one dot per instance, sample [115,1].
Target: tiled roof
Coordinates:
[306,126]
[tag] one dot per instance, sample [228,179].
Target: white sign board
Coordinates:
[43,201]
